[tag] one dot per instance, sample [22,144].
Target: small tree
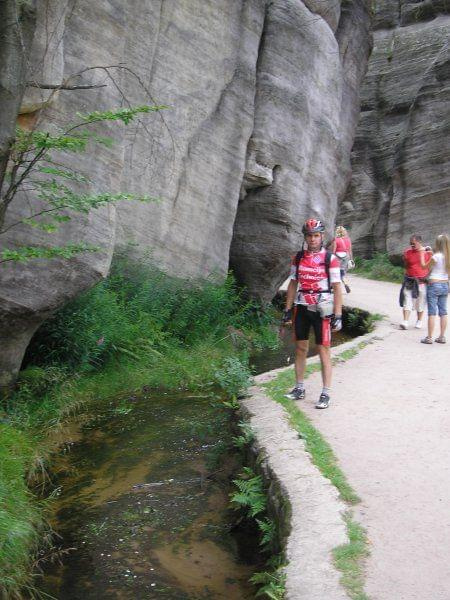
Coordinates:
[55,190]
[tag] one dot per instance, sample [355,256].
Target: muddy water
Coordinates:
[266,360]
[142,511]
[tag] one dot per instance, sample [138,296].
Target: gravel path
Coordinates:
[389,426]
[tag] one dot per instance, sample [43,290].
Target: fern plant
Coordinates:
[240,441]
[272,584]
[267,528]
[250,494]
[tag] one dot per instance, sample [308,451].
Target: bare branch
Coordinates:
[62,86]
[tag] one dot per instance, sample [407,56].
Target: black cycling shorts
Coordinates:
[304,319]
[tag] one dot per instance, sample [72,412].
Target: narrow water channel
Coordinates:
[143,507]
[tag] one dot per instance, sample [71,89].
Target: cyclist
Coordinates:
[315,291]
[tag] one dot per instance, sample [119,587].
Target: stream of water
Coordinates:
[143,510]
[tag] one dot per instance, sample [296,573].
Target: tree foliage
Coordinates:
[54,190]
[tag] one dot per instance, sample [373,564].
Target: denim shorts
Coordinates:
[437,298]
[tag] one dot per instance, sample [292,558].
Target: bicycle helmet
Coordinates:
[313,226]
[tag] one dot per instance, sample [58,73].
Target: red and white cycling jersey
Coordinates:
[312,277]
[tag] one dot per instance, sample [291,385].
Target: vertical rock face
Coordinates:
[263,101]
[199,57]
[306,109]
[401,155]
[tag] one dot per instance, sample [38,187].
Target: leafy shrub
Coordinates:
[358,322]
[234,376]
[139,312]
[379,267]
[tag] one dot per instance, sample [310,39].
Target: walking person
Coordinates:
[342,247]
[315,291]
[437,289]
[413,290]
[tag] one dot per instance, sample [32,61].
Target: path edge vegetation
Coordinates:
[349,558]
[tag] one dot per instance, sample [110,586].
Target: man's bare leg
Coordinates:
[301,352]
[325,361]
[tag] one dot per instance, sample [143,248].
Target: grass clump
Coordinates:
[348,559]
[379,267]
[21,517]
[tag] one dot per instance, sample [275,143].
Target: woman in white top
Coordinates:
[437,288]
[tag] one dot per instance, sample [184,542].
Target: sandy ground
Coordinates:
[389,426]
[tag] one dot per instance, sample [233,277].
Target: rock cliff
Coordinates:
[263,99]
[401,155]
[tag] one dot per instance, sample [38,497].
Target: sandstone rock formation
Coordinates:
[263,103]
[401,156]
[306,110]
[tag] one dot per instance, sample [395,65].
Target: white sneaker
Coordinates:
[404,325]
[418,325]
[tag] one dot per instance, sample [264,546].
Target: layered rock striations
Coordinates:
[311,61]
[401,156]
[263,102]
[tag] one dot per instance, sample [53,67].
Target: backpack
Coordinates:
[328,255]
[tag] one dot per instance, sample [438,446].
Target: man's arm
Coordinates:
[337,296]
[290,297]
[336,321]
[290,294]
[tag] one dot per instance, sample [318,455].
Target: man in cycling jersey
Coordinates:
[314,299]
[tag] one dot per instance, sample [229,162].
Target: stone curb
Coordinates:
[313,520]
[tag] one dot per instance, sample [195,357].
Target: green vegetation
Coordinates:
[246,438]
[138,328]
[22,522]
[359,322]
[55,191]
[348,559]
[379,267]
[251,499]
[250,494]
[273,581]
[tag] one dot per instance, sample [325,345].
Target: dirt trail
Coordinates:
[389,426]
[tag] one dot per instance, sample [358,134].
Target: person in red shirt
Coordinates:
[315,291]
[342,247]
[414,289]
